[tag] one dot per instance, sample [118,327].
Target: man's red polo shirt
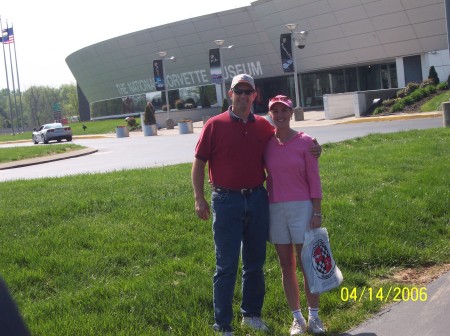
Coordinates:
[234,150]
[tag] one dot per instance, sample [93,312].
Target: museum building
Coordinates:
[337,46]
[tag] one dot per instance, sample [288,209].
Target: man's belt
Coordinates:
[244,191]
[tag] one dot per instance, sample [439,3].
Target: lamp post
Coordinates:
[299,44]
[163,55]
[219,43]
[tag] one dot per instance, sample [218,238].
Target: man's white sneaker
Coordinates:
[255,323]
[298,327]
[315,325]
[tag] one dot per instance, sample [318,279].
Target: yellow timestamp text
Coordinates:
[382,294]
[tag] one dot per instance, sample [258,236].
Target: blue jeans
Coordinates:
[239,221]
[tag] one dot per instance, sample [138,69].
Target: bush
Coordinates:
[401,93]
[442,86]
[418,94]
[191,103]
[426,83]
[430,89]
[389,102]
[131,121]
[179,104]
[432,75]
[398,106]
[410,88]
[408,100]
[379,110]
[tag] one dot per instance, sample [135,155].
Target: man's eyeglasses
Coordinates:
[241,91]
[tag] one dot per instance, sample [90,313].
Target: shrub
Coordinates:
[432,74]
[389,102]
[398,106]
[410,88]
[191,103]
[426,83]
[401,93]
[418,94]
[430,89]
[131,121]
[179,104]
[379,110]
[442,86]
[408,100]
[448,80]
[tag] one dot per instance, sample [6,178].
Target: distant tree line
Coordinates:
[37,106]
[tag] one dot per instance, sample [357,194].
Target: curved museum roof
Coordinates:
[340,33]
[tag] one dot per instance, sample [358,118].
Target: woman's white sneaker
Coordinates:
[298,327]
[315,325]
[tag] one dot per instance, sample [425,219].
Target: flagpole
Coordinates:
[18,84]
[12,77]
[7,80]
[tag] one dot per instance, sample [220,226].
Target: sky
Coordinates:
[47,31]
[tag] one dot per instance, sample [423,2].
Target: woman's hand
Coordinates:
[316,222]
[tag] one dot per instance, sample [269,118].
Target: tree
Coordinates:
[433,75]
[69,99]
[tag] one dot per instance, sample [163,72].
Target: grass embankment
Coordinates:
[123,253]
[20,153]
[434,104]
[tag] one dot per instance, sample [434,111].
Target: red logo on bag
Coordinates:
[322,260]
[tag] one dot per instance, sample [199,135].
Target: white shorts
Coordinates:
[289,221]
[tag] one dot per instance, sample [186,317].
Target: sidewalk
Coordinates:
[429,317]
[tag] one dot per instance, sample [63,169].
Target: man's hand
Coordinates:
[198,177]
[316,150]
[202,209]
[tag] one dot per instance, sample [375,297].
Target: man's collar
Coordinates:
[251,116]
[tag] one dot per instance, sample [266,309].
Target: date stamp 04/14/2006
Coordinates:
[382,294]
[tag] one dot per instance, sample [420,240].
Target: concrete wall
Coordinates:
[339,105]
[349,104]
[193,114]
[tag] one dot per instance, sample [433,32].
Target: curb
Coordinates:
[45,159]
[393,117]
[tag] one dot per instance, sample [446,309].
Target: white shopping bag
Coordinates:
[319,266]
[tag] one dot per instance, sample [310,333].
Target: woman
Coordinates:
[295,194]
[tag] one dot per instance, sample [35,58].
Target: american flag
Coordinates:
[8,35]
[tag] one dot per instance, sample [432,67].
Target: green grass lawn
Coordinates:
[123,253]
[434,104]
[93,127]
[19,153]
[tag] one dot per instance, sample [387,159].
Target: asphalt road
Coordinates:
[167,149]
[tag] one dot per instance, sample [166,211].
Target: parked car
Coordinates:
[49,132]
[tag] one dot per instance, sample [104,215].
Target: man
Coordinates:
[233,144]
